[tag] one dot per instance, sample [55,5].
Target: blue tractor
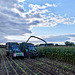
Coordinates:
[12,50]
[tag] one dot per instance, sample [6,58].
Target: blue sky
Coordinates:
[52,20]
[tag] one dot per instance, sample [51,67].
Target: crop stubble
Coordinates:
[28,66]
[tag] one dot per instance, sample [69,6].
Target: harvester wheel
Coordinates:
[29,54]
[39,54]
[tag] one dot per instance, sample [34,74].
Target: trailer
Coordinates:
[12,50]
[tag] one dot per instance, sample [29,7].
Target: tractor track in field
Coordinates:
[17,67]
[24,67]
[12,68]
[55,70]
[49,68]
[34,68]
[28,66]
[54,65]
[45,70]
[31,68]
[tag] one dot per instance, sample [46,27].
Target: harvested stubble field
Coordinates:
[37,66]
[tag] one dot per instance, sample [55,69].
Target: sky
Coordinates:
[51,20]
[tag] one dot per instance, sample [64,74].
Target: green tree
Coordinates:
[67,43]
[56,45]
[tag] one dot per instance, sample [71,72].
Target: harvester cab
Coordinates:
[29,48]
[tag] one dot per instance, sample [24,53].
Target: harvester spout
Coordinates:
[37,38]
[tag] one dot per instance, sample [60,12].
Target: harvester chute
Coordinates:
[37,38]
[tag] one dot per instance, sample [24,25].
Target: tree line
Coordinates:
[67,43]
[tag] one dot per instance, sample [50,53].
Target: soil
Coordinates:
[37,66]
[0,64]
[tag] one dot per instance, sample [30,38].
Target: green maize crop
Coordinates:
[66,53]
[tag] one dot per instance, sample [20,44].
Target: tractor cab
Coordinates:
[16,49]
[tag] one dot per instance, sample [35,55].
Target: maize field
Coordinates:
[65,54]
[37,66]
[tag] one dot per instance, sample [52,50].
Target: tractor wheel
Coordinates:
[11,56]
[7,53]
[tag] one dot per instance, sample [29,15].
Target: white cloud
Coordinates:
[60,39]
[11,21]
[50,5]
[14,20]
[21,0]
[47,21]
[36,7]
[71,39]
